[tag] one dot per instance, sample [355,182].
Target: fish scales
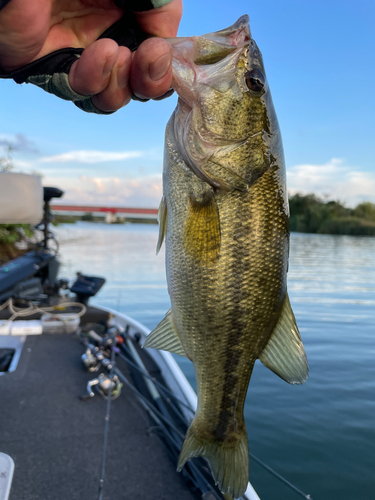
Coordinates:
[226,216]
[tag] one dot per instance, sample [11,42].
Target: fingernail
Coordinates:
[159,68]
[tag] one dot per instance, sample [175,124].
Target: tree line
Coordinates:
[311,214]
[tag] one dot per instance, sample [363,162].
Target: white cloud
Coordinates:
[109,191]
[21,164]
[334,180]
[91,156]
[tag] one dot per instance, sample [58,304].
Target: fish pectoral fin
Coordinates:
[162,219]
[165,337]
[202,230]
[284,353]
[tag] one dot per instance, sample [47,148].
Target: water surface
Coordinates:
[321,435]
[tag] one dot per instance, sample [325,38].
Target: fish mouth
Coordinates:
[207,60]
[203,57]
[234,36]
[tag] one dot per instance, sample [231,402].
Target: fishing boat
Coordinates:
[85,412]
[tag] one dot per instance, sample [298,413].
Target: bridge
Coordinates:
[111,213]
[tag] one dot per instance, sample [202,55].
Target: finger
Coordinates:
[165,96]
[162,22]
[151,72]
[91,73]
[118,92]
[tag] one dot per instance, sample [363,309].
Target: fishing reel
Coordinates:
[104,386]
[96,357]
[92,358]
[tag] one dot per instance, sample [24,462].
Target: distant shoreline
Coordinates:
[310,214]
[71,219]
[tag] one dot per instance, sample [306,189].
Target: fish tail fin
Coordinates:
[228,460]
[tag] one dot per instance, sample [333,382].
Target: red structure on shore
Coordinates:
[110,213]
[112,210]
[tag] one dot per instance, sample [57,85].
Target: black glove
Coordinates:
[3,3]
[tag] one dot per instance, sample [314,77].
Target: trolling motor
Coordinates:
[48,194]
[33,276]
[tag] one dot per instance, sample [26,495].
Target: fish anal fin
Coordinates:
[228,460]
[284,353]
[162,219]
[202,229]
[165,337]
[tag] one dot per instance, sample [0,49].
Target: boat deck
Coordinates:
[56,440]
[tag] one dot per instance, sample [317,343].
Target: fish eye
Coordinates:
[255,80]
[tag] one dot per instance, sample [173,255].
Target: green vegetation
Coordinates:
[11,234]
[64,219]
[88,217]
[310,214]
[6,162]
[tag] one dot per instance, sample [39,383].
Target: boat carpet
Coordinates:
[56,440]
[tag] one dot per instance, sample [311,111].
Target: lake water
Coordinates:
[321,435]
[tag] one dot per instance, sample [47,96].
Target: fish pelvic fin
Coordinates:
[165,337]
[202,230]
[162,219]
[228,460]
[284,353]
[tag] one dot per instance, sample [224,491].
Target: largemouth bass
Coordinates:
[225,220]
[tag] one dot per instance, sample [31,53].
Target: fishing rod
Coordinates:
[280,478]
[157,409]
[107,417]
[256,459]
[159,413]
[176,437]
[162,387]
[198,480]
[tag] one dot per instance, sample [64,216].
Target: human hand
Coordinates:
[108,72]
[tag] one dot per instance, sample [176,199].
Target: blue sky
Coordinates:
[319,58]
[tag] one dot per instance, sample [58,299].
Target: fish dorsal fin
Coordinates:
[165,337]
[284,354]
[202,229]
[162,219]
